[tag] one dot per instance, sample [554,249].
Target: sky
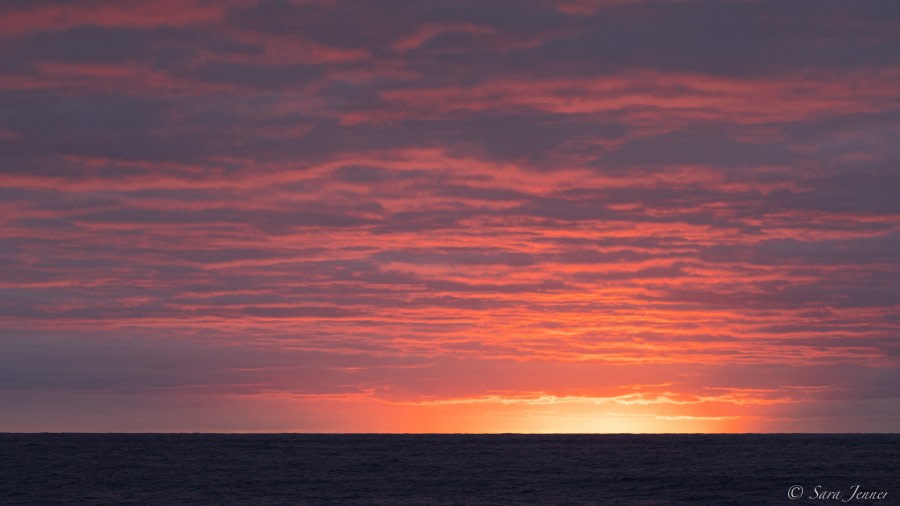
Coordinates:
[450,216]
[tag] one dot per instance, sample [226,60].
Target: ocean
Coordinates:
[449,469]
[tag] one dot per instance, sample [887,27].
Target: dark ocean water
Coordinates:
[445,469]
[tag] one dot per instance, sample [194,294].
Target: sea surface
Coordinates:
[448,469]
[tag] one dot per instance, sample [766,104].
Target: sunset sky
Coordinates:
[450,216]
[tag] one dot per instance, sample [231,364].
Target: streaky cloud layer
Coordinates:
[450,216]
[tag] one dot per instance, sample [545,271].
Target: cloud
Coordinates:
[669,213]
